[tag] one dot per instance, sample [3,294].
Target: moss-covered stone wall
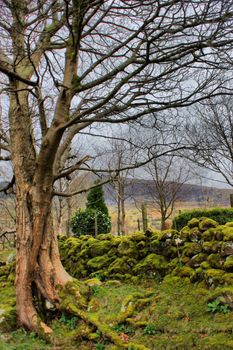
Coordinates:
[202,251]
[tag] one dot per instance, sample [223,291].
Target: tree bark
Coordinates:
[37,259]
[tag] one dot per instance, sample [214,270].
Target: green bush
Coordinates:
[95,199]
[221,215]
[83,222]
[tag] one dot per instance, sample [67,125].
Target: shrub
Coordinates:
[83,222]
[221,215]
[95,199]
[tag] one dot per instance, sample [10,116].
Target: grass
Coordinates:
[172,314]
[176,317]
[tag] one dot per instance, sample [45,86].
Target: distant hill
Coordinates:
[141,190]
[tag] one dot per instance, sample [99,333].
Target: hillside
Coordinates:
[141,190]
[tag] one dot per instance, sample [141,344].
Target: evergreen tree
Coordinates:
[95,200]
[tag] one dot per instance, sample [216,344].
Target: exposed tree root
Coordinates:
[74,302]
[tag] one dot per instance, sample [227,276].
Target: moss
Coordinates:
[99,247]
[197,259]
[149,232]
[74,292]
[229,224]
[167,234]
[227,249]
[105,237]
[211,247]
[155,235]
[100,262]
[93,282]
[191,249]
[205,265]
[184,233]
[112,283]
[169,251]
[206,223]
[153,262]
[193,223]
[127,247]
[228,265]
[141,245]
[194,234]
[227,232]
[228,278]
[214,277]
[215,261]
[224,294]
[209,235]
[138,236]
[122,265]
[8,319]
[177,262]
[183,271]
[100,274]
[156,246]
[197,275]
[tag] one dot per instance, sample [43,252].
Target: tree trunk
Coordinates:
[68,201]
[119,223]
[122,199]
[37,259]
[163,222]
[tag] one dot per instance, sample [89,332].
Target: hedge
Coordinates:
[221,215]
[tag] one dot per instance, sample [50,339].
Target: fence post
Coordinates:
[231,200]
[144,217]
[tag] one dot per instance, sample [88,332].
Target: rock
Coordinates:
[228,265]
[99,247]
[168,234]
[227,233]
[183,271]
[211,247]
[209,235]
[195,234]
[11,258]
[127,247]
[194,222]
[197,259]
[100,262]
[93,282]
[49,306]
[215,261]
[184,233]
[191,249]
[122,265]
[153,262]
[206,223]
[214,277]
[227,249]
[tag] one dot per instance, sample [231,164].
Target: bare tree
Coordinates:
[211,134]
[123,153]
[68,64]
[168,175]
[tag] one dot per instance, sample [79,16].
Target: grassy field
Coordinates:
[133,213]
[154,314]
